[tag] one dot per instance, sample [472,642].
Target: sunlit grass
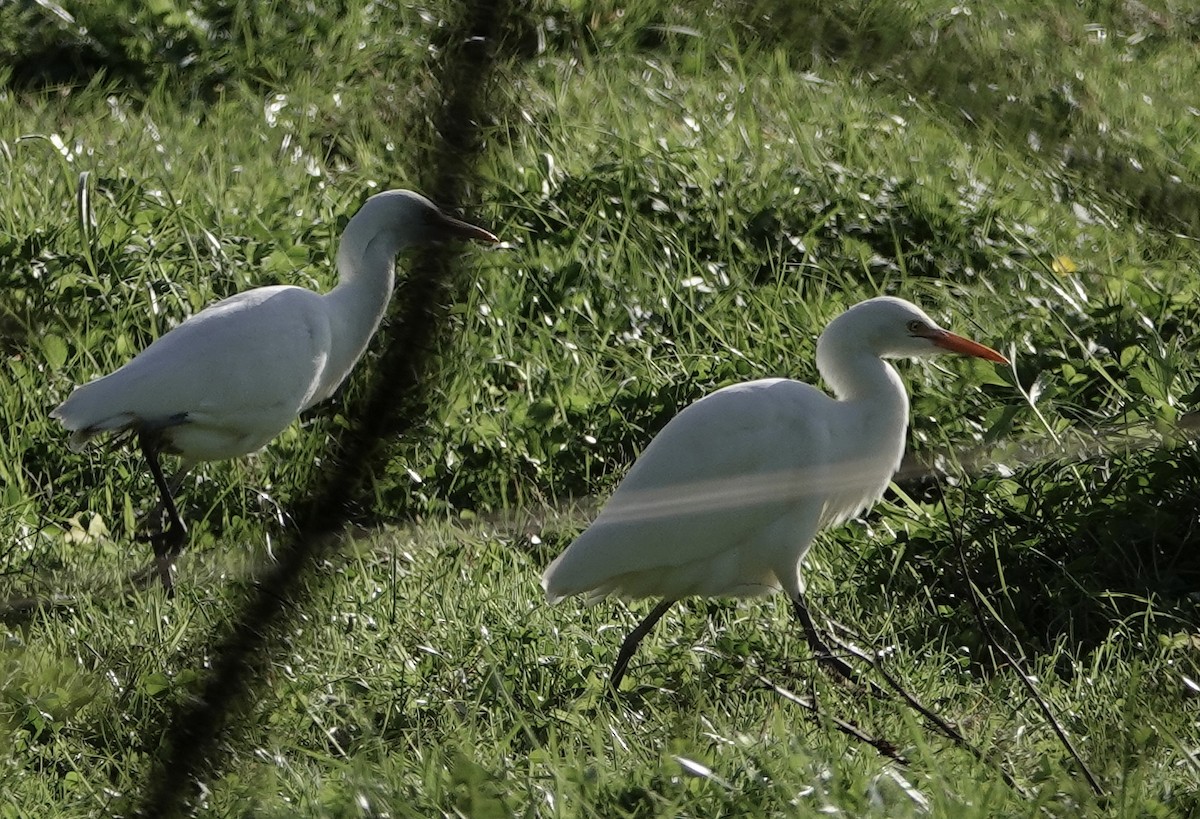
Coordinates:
[420,702]
[685,203]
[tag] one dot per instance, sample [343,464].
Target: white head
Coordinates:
[393,220]
[884,327]
[888,327]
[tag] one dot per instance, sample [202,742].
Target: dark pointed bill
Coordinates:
[964,346]
[458,229]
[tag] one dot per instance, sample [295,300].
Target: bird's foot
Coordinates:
[160,570]
[835,664]
[168,545]
[165,568]
[839,667]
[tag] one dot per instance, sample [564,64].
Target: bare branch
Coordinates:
[883,746]
[1009,660]
[947,730]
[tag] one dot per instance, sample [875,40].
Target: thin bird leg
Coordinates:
[631,643]
[169,543]
[817,643]
[837,665]
[173,483]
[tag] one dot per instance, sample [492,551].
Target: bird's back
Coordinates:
[225,381]
[731,489]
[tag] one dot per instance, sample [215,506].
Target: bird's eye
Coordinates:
[915,327]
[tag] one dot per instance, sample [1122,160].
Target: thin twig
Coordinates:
[948,730]
[1009,660]
[883,746]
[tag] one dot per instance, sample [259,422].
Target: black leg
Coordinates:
[631,643]
[173,484]
[818,645]
[169,543]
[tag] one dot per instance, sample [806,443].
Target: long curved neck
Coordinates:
[366,274]
[855,373]
[875,401]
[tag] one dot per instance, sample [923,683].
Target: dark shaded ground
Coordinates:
[391,405]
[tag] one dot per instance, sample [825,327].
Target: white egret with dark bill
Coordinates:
[232,377]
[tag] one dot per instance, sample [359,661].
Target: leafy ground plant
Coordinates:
[688,196]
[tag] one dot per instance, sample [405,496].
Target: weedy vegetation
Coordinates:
[688,193]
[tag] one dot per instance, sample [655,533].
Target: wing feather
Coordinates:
[693,512]
[247,362]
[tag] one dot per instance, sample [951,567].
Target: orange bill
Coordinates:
[964,346]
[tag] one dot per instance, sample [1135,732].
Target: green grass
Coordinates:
[686,200]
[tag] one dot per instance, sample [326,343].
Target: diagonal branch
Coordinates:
[1009,660]
[947,730]
[883,746]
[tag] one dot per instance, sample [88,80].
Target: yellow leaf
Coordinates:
[1062,265]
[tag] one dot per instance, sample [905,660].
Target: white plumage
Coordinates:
[221,384]
[232,377]
[726,500]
